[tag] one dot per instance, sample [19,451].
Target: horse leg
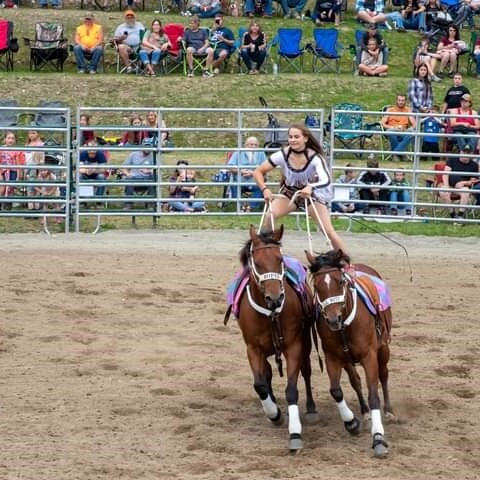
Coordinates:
[356,384]
[383,358]
[334,370]
[306,370]
[370,365]
[294,359]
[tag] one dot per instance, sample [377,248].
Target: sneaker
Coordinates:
[92,72]
[81,71]
[296,15]
[129,69]
[437,79]
[389,27]
[366,211]
[393,211]
[190,74]
[216,71]
[408,212]
[207,74]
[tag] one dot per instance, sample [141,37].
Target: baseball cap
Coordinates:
[129,13]
[467,97]
[89,16]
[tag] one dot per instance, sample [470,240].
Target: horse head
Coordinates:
[330,285]
[265,262]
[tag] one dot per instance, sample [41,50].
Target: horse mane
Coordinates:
[333,258]
[265,237]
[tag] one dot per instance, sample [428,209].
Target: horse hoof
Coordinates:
[390,417]
[311,418]
[278,420]
[296,443]
[353,426]
[380,446]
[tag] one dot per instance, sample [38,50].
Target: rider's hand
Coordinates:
[306,192]
[267,194]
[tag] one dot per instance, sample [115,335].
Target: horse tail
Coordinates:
[227,315]
[313,329]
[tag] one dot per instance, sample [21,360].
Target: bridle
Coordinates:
[260,278]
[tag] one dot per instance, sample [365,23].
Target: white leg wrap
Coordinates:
[377,426]
[269,407]
[294,424]
[345,413]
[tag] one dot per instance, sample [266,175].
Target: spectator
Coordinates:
[144,161]
[423,55]
[258,7]
[349,177]
[449,48]
[88,45]
[304,175]
[465,123]
[223,42]
[371,61]
[90,159]
[242,173]
[154,47]
[205,8]
[420,93]
[134,137]
[371,11]
[293,8]
[10,171]
[373,191]
[476,55]
[466,178]
[254,48]
[46,175]
[86,135]
[127,38]
[151,121]
[432,125]
[466,11]
[53,3]
[185,194]
[397,124]
[454,93]
[400,193]
[33,158]
[196,43]
[432,8]
[413,15]
[326,11]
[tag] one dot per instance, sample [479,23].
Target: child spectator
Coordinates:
[134,137]
[348,177]
[182,175]
[400,194]
[46,175]
[9,161]
[371,61]
[432,124]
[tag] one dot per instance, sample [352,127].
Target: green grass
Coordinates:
[287,90]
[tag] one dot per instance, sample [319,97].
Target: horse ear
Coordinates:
[278,234]
[310,257]
[253,232]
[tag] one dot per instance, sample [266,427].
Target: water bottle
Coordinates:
[275,68]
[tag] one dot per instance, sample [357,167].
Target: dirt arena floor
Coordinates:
[115,364]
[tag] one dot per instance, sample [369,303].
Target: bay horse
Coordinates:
[274,320]
[350,333]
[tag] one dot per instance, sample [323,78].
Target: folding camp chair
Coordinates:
[49,48]
[135,65]
[198,60]
[471,63]
[325,50]
[8,116]
[8,45]
[289,48]
[346,118]
[174,59]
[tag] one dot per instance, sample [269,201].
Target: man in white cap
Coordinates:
[88,45]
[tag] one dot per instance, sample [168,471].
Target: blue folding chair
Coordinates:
[289,49]
[326,50]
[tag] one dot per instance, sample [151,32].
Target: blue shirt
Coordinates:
[431,125]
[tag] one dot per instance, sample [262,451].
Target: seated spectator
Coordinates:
[184,194]
[197,44]
[88,159]
[349,176]
[432,124]
[326,11]
[154,47]
[134,137]
[151,121]
[85,135]
[400,194]
[371,61]
[423,55]
[46,175]
[33,158]
[245,163]
[465,123]
[371,11]
[432,8]
[396,125]
[127,38]
[372,33]
[53,3]
[144,173]
[420,92]
[205,8]
[88,45]
[413,15]
[476,55]
[293,8]
[222,40]
[258,7]
[10,160]
[449,48]
[466,11]
[254,48]
[373,181]
[465,180]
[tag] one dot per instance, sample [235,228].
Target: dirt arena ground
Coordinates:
[115,364]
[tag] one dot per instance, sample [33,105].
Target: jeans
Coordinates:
[206,14]
[179,206]
[100,190]
[476,188]
[316,15]
[417,22]
[400,196]
[250,7]
[248,57]
[400,142]
[53,3]
[298,5]
[152,57]
[130,190]
[396,18]
[81,58]
[477,62]
[470,140]
[253,190]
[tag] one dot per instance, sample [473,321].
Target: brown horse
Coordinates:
[351,334]
[274,321]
